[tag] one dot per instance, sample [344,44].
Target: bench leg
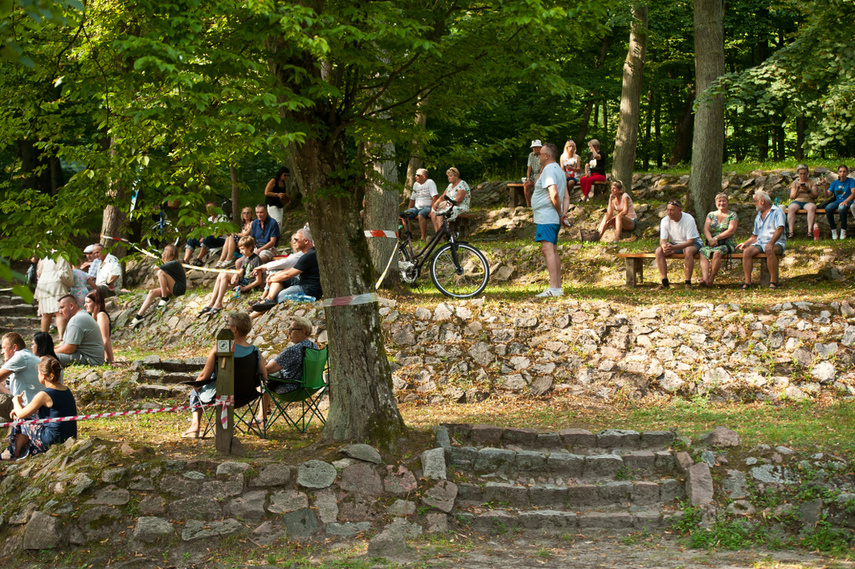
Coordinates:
[765,277]
[634,271]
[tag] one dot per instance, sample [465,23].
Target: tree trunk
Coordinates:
[683,133]
[582,133]
[645,144]
[381,209]
[115,220]
[626,138]
[708,142]
[415,161]
[657,125]
[800,138]
[235,196]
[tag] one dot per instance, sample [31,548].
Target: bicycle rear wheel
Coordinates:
[459,274]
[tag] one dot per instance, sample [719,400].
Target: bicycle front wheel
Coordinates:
[459,270]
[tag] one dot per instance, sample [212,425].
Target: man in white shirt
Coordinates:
[422,199]
[547,201]
[767,237]
[678,233]
[109,279]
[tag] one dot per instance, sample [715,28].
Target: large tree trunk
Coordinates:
[114,222]
[381,208]
[626,138]
[708,142]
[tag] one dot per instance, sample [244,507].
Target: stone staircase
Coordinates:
[161,378]
[16,315]
[571,480]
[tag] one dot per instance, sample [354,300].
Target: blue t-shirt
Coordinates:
[263,235]
[841,190]
[765,228]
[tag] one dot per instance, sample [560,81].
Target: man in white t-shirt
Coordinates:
[109,279]
[421,200]
[678,233]
[546,204]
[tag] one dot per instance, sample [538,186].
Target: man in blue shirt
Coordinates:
[768,237]
[265,231]
[841,196]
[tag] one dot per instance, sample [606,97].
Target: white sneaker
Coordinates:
[551,292]
[834,234]
[843,234]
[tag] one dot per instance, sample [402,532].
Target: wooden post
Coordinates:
[225,386]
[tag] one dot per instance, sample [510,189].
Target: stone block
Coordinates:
[249,506]
[494,460]
[400,481]
[530,461]
[485,435]
[300,524]
[464,457]
[640,461]
[436,522]
[195,529]
[401,508]
[602,466]
[496,521]
[671,490]
[684,461]
[363,452]
[458,431]
[565,465]
[582,495]
[615,493]
[618,438]
[316,474]
[441,496]
[647,520]
[699,486]
[152,529]
[657,439]
[501,494]
[433,464]
[524,437]
[548,441]
[286,501]
[361,477]
[606,520]
[664,460]
[41,532]
[645,493]
[471,492]
[347,529]
[196,507]
[547,520]
[551,496]
[577,438]
[326,505]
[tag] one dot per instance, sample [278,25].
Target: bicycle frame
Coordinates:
[420,258]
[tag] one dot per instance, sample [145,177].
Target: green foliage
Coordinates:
[19,15]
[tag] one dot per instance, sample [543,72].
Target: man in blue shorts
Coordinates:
[546,200]
[678,233]
[767,237]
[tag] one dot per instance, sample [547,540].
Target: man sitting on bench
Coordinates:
[768,237]
[678,233]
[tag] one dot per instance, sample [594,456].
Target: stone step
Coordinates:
[573,440]
[7,299]
[150,363]
[162,377]
[499,520]
[24,325]
[562,464]
[160,391]
[571,496]
[16,310]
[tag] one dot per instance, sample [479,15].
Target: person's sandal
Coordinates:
[746,286]
[204,311]
[773,286]
[791,235]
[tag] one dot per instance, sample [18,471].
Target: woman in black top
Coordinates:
[275,197]
[172,280]
[595,169]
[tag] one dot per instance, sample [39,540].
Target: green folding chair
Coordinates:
[298,407]
[247,398]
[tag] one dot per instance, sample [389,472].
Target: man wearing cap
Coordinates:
[678,233]
[533,170]
[19,373]
[93,263]
[109,277]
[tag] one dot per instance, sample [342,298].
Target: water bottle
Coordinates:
[237,293]
[776,202]
[815,232]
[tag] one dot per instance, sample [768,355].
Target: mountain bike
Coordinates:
[457,269]
[162,231]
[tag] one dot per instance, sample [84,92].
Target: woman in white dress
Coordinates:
[55,280]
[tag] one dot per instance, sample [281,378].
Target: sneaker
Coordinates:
[162,303]
[550,292]
[135,323]
[834,234]
[843,234]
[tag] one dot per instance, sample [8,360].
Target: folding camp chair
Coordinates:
[299,406]
[247,380]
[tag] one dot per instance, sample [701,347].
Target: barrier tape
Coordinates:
[222,401]
[153,256]
[386,270]
[380,233]
[354,300]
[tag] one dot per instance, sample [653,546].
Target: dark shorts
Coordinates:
[548,232]
[778,249]
[800,204]
[697,244]
[414,212]
[179,289]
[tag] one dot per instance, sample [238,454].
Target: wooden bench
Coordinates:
[635,265]
[516,194]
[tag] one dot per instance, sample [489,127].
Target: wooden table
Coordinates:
[516,194]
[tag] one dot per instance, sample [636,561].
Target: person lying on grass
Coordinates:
[55,401]
[238,281]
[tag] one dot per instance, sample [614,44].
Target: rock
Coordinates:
[231,467]
[810,512]
[699,485]
[541,385]
[301,524]
[326,505]
[437,522]
[110,496]
[287,501]
[514,382]
[741,508]
[388,545]
[441,496]
[41,532]
[249,506]
[365,453]
[400,481]
[267,534]
[684,461]
[433,464]
[361,478]
[401,508]
[403,334]
[734,484]
[152,529]
[824,372]
[721,437]
[316,474]
[670,381]
[771,474]
[347,529]
[443,312]
[195,529]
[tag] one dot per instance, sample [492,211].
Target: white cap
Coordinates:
[89,249]
[536,142]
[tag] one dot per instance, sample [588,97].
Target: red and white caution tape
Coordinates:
[352,300]
[380,233]
[222,401]
[153,256]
